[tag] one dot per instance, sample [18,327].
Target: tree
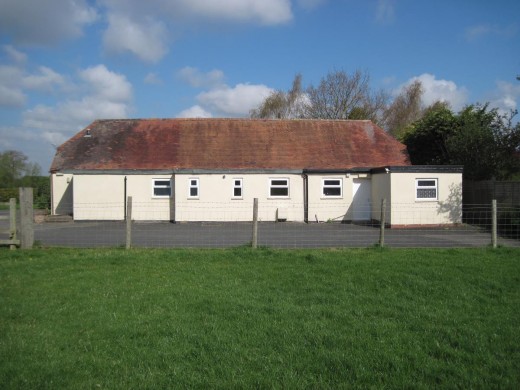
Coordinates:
[282,105]
[13,166]
[405,109]
[484,141]
[343,96]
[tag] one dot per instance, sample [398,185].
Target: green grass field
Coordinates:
[241,318]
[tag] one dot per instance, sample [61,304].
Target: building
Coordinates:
[212,169]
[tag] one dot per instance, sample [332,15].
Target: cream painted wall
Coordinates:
[61,194]
[406,210]
[381,189]
[323,208]
[98,197]
[216,202]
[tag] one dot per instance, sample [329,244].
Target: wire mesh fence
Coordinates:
[214,225]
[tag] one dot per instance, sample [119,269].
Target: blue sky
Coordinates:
[66,63]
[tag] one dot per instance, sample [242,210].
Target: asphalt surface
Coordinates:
[270,234]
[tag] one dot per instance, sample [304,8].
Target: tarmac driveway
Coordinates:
[278,235]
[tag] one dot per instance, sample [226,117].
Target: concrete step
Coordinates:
[58,218]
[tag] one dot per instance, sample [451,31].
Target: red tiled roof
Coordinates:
[157,144]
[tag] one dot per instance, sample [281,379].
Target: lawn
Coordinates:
[241,318]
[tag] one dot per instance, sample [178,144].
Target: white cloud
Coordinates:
[506,96]
[385,11]
[15,55]
[11,93]
[45,22]
[44,81]
[152,78]
[198,79]
[477,32]
[194,112]
[236,101]
[146,38]
[440,90]
[108,95]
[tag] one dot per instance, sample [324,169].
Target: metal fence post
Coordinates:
[26,218]
[254,238]
[382,227]
[129,223]
[494,223]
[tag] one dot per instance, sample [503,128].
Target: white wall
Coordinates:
[447,209]
[216,202]
[61,185]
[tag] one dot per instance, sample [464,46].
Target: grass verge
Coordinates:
[265,318]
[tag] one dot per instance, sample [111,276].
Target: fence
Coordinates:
[24,235]
[214,225]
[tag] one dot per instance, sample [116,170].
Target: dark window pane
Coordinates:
[162,183]
[332,191]
[332,182]
[279,191]
[279,182]
[237,191]
[161,191]
[238,183]
[194,191]
[426,183]
[426,193]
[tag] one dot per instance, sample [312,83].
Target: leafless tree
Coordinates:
[280,104]
[405,109]
[343,96]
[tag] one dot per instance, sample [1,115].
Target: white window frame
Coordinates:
[235,186]
[191,185]
[425,187]
[155,185]
[340,186]
[272,186]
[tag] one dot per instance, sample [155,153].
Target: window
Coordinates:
[162,188]
[426,189]
[237,188]
[279,188]
[332,188]
[194,188]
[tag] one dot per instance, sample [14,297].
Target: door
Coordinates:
[362,200]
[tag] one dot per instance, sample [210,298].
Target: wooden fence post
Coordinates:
[129,222]
[494,223]
[383,222]
[26,218]
[12,222]
[254,239]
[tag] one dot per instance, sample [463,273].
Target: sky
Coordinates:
[66,63]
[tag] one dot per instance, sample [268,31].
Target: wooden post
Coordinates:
[254,239]
[12,222]
[26,218]
[382,228]
[129,222]
[494,223]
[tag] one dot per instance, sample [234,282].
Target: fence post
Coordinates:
[129,222]
[12,222]
[382,227]
[494,223]
[26,218]
[254,239]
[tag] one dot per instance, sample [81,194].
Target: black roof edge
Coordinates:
[419,169]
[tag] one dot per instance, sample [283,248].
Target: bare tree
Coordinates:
[280,104]
[343,96]
[405,109]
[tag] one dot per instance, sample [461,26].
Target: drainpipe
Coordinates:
[124,201]
[305,198]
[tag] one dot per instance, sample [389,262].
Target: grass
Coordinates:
[240,318]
